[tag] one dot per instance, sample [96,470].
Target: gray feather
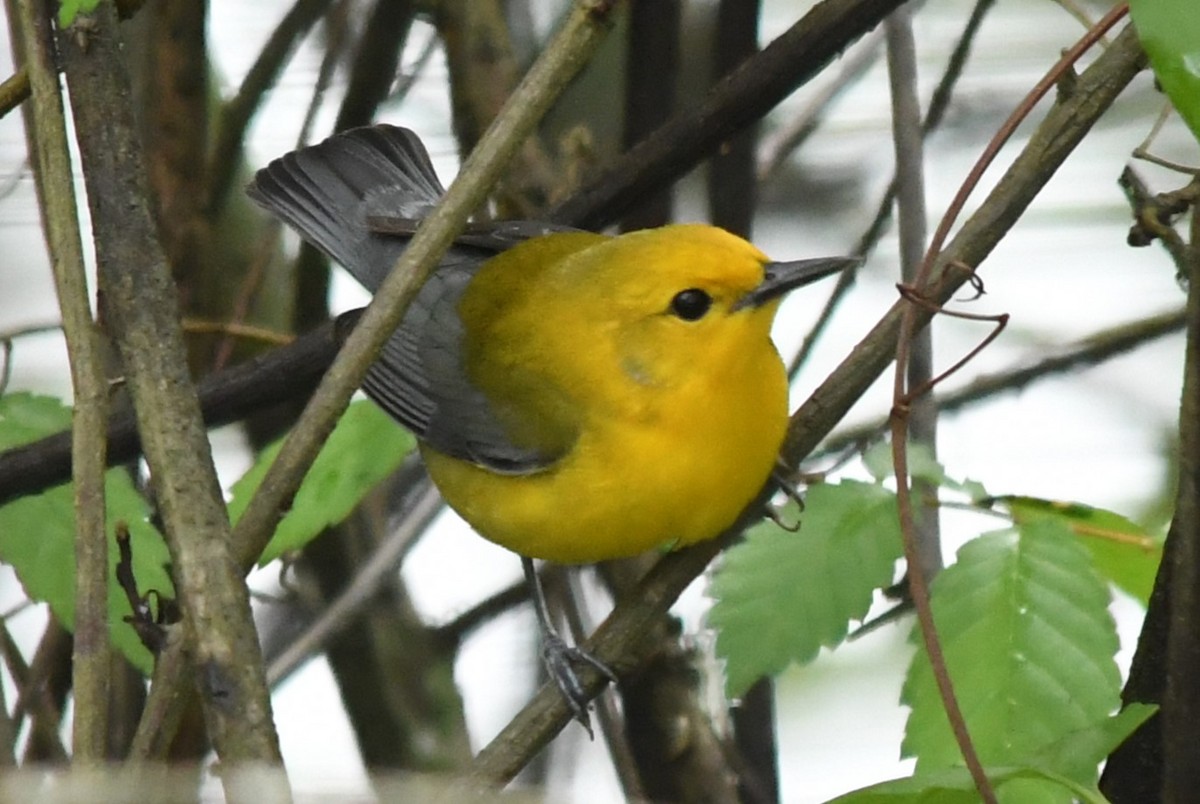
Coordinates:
[357,197]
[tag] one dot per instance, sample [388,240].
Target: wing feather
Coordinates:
[357,197]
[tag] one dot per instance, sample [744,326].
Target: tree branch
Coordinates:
[1084,353]
[744,96]
[1061,130]
[141,309]
[1181,699]
[46,129]
[938,104]
[279,375]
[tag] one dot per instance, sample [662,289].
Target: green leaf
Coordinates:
[922,465]
[1123,552]
[1013,785]
[1170,33]
[974,490]
[1029,643]
[877,460]
[364,448]
[69,9]
[37,532]
[780,596]
[1065,771]
[1078,753]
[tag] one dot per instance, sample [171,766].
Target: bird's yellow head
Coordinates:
[653,309]
[673,300]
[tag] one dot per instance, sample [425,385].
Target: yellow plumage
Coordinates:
[667,427]
[578,397]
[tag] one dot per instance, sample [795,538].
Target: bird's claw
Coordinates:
[561,660]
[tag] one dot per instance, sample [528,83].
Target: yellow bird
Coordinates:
[578,397]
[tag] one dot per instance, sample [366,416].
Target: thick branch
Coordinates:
[141,310]
[746,95]
[281,375]
[1181,702]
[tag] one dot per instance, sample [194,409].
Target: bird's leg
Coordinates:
[785,480]
[561,658]
[782,476]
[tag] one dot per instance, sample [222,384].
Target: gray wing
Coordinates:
[420,380]
[358,196]
[327,192]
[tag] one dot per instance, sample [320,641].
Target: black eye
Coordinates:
[691,304]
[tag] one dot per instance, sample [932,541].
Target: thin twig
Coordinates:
[336,42]
[237,113]
[367,581]
[486,610]
[14,91]
[911,217]
[902,399]
[236,330]
[938,105]
[1086,352]
[778,146]
[47,134]
[1142,150]
[408,78]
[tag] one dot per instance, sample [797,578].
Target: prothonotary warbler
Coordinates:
[578,397]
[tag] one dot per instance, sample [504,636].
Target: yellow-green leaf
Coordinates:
[1170,32]
[364,448]
[37,531]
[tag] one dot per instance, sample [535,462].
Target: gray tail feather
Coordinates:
[327,191]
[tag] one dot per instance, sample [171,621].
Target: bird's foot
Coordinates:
[561,662]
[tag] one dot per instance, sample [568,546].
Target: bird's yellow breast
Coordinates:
[678,472]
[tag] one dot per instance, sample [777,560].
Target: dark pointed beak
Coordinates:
[780,277]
